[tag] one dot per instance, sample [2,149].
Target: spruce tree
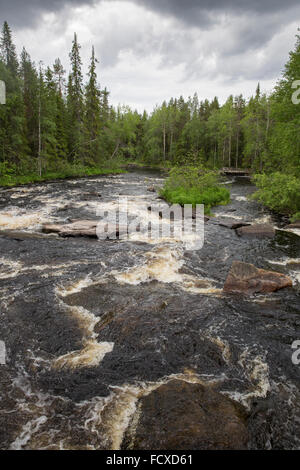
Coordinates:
[30,86]
[13,142]
[92,114]
[75,105]
[8,50]
[61,113]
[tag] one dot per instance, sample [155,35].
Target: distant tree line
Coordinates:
[50,121]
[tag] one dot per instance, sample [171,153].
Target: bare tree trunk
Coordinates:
[267,133]
[171,144]
[116,149]
[223,156]
[257,140]
[40,139]
[164,138]
[229,151]
[237,150]
[215,154]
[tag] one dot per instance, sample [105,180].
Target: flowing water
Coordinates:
[91,326]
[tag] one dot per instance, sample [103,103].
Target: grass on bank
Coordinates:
[279,192]
[191,185]
[12,179]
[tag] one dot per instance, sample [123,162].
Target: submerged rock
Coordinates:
[20,235]
[187,416]
[257,231]
[246,278]
[232,223]
[90,196]
[294,225]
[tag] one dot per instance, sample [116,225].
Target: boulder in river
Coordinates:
[257,231]
[84,228]
[187,416]
[248,279]
[294,225]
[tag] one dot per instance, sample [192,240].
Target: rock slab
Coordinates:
[85,228]
[247,279]
[187,416]
[257,231]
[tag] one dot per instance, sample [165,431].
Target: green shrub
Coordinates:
[194,185]
[280,192]
[295,217]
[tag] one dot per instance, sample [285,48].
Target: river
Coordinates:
[91,326]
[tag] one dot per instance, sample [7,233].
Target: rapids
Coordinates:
[91,326]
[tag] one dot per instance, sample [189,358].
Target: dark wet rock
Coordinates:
[18,235]
[85,228]
[187,416]
[232,223]
[64,208]
[294,225]
[194,214]
[257,231]
[144,326]
[90,196]
[246,278]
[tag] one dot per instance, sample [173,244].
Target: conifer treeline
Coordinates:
[49,122]
[46,122]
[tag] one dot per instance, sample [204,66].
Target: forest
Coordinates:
[56,124]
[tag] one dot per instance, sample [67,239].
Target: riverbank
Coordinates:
[144,166]
[68,173]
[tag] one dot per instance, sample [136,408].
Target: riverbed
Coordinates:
[91,326]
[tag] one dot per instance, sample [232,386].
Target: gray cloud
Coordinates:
[25,13]
[150,48]
[187,8]
[194,12]
[265,18]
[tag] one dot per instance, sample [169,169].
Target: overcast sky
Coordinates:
[151,50]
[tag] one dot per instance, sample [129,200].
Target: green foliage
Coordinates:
[194,185]
[10,178]
[284,139]
[280,192]
[295,217]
